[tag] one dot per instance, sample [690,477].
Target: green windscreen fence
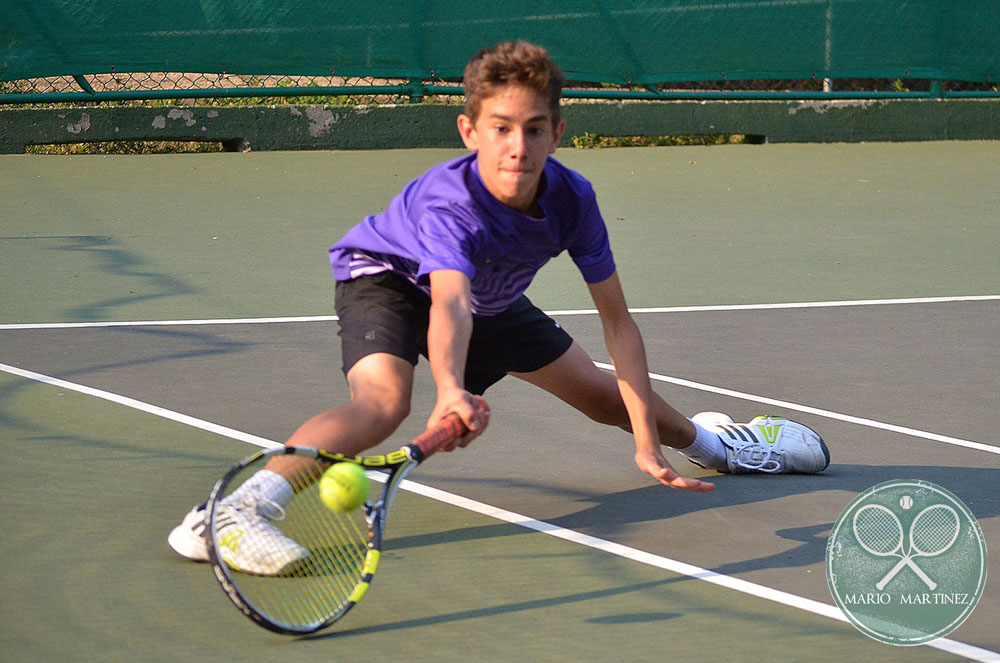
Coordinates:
[639,44]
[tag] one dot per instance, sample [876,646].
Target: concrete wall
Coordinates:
[433,125]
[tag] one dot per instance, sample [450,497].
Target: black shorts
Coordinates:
[386,313]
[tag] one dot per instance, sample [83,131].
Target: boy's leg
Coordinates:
[575,379]
[380,386]
[766,445]
[380,389]
[380,382]
[381,318]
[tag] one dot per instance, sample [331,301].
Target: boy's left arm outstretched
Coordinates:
[624,343]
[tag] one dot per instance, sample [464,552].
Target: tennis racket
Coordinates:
[933,531]
[297,567]
[879,531]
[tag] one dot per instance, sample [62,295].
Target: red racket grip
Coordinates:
[450,429]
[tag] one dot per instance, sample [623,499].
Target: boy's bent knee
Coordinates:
[381,386]
[389,409]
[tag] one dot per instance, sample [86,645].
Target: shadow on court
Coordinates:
[521,606]
[103,258]
[611,514]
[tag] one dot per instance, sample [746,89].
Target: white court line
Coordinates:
[163,323]
[808,409]
[143,407]
[793,305]
[663,309]
[674,566]
[764,400]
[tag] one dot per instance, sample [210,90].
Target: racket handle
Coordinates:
[450,429]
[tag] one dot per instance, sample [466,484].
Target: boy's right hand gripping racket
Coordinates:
[299,567]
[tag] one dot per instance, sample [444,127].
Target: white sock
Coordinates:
[264,485]
[707,449]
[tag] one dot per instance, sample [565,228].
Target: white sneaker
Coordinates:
[771,445]
[712,420]
[188,539]
[248,541]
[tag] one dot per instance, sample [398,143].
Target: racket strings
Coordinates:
[320,585]
[309,602]
[347,531]
[312,591]
[337,543]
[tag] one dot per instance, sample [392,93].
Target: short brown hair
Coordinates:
[512,63]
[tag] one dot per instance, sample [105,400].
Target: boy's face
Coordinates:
[513,137]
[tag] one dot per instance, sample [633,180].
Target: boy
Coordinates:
[442,272]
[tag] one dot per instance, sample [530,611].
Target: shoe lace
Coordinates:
[758,458]
[261,506]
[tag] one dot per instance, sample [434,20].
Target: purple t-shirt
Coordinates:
[447,219]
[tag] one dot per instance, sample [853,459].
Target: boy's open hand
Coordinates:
[655,465]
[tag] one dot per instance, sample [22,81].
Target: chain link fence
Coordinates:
[200,88]
[180,88]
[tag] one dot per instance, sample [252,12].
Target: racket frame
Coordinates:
[396,464]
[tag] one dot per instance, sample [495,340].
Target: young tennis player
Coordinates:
[442,272]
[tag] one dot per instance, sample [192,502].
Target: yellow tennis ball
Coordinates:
[344,487]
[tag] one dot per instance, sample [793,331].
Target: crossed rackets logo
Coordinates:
[880,532]
[880,564]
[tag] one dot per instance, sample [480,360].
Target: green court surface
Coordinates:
[211,273]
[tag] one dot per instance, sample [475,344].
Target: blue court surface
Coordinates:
[163,315]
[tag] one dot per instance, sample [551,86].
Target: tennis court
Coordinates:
[158,310]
